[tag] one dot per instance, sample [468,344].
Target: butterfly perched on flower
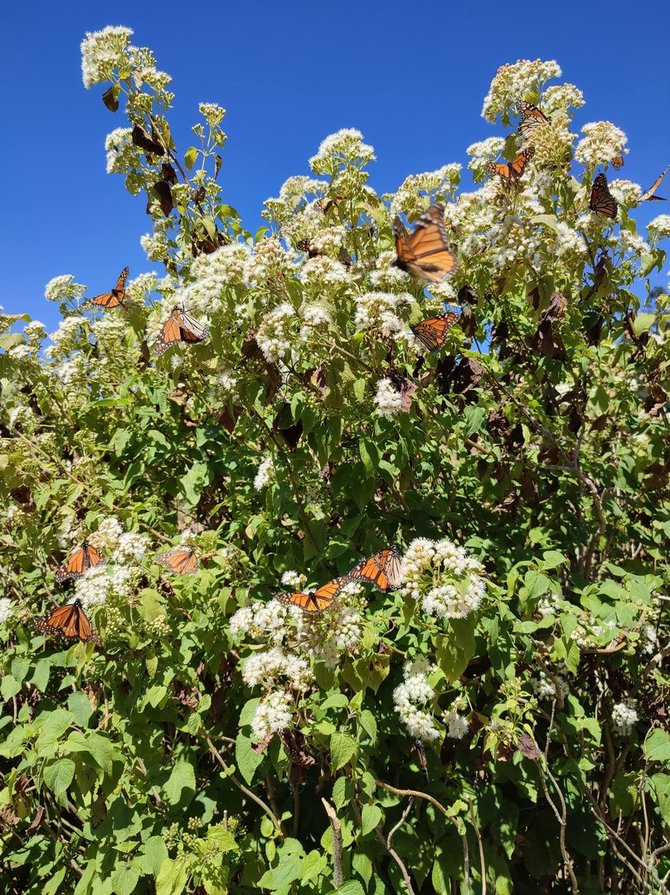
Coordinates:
[425,252]
[602,200]
[531,119]
[180,560]
[382,570]
[617,162]
[79,562]
[432,332]
[649,195]
[510,173]
[180,327]
[314,601]
[69,621]
[113,299]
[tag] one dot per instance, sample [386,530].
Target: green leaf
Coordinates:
[657,746]
[172,877]
[351,887]
[152,854]
[245,758]
[371,817]
[9,686]
[643,323]
[180,786]
[191,156]
[456,649]
[124,880]
[80,706]
[474,418]
[342,749]
[661,783]
[59,776]
[369,723]
[194,481]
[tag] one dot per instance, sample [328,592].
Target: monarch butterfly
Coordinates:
[432,332]
[512,172]
[617,162]
[425,252]
[314,601]
[382,570]
[180,327]
[79,562]
[70,621]
[531,118]
[113,299]
[602,200]
[650,196]
[180,560]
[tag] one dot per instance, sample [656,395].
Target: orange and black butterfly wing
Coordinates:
[531,118]
[169,335]
[432,332]
[649,195]
[69,621]
[382,570]
[617,162]
[602,201]
[315,601]
[181,560]
[425,252]
[512,172]
[191,330]
[113,299]
[79,562]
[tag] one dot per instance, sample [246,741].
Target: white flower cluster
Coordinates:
[344,148]
[444,577]
[386,275]
[293,194]
[329,240]
[601,141]
[102,52]
[568,241]
[130,546]
[457,725]
[333,634]
[388,399]
[266,621]
[212,113]
[549,688]
[123,157]
[268,669]
[321,272]
[212,274]
[483,153]
[108,535]
[624,718]
[34,331]
[410,197]
[6,610]
[103,582]
[659,228]
[268,259]
[519,81]
[273,714]
[109,332]
[378,310]
[274,336]
[295,580]
[63,288]
[561,98]
[265,474]
[410,699]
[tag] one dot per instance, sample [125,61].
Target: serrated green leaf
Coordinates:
[342,749]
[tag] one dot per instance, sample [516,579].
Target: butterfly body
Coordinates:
[382,570]
[315,601]
[432,332]
[79,562]
[180,560]
[511,173]
[112,299]
[180,327]
[602,201]
[425,252]
[69,621]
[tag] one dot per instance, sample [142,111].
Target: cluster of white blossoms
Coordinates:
[546,687]
[659,228]
[379,311]
[519,81]
[6,610]
[388,399]
[265,474]
[102,583]
[411,698]
[414,193]
[35,332]
[322,272]
[273,714]
[568,241]
[274,336]
[297,192]
[624,718]
[123,157]
[213,113]
[102,52]
[268,260]
[344,148]
[483,153]
[329,240]
[267,621]
[63,288]
[109,332]
[602,141]
[443,577]
[274,667]
[386,274]
[108,534]
[329,636]
[457,724]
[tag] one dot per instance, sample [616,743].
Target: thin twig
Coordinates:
[480,844]
[393,853]
[338,864]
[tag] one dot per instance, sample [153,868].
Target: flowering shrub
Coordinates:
[496,723]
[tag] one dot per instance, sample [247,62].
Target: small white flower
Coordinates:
[624,718]
[410,699]
[102,52]
[6,610]
[388,399]
[346,148]
[296,580]
[659,228]
[108,535]
[602,140]
[457,725]
[273,714]
[265,474]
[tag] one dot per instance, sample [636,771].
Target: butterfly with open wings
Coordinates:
[70,621]
[79,562]
[315,601]
[112,299]
[425,252]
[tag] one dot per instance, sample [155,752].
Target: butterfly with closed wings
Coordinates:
[180,327]
[531,119]
[112,299]
[68,621]
[602,201]
[382,570]
[432,332]
[650,194]
[425,252]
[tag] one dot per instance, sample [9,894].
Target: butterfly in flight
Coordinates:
[315,601]
[180,560]
[602,200]
[69,621]
[180,327]
[79,562]
[512,172]
[531,119]
[432,332]
[113,299]
[382,570]
[617,162]
[650,194]
[425,252]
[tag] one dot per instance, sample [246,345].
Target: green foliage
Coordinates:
[501,717]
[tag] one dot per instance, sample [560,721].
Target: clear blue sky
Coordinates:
[411,76]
